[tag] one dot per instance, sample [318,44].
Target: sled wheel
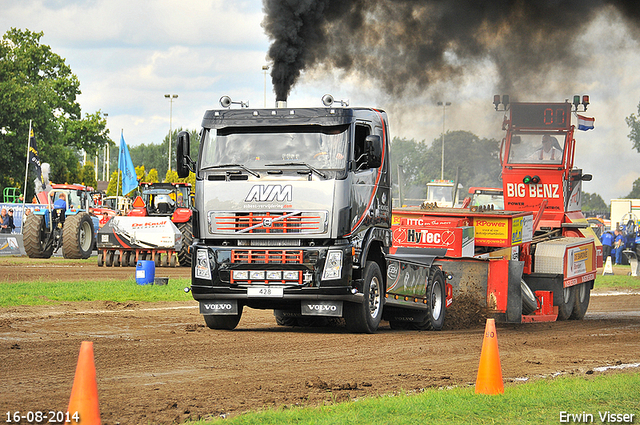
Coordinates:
[116,258]
[174,260]
[365,317]
[566,304]
[125,259]
[100,259]
[157,259]
[529,303]
[132,259]
[582,295]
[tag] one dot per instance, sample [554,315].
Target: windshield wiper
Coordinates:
[248,170]
[304,164]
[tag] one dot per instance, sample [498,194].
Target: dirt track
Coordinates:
[157,363]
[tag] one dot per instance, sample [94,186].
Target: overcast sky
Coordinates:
[128,54]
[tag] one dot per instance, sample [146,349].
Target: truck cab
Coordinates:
[292,213]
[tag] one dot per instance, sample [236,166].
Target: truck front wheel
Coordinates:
[365,317]
[226,322]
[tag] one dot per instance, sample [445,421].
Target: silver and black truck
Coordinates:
[292,213]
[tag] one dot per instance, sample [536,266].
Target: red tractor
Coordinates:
[164,200]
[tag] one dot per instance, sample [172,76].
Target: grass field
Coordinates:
[549,401]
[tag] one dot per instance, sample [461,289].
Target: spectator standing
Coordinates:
[4,221]
[11,225]
[618,246]
[607,239]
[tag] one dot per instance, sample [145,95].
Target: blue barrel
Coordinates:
[145,272]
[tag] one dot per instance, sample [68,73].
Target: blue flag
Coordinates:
[129,178]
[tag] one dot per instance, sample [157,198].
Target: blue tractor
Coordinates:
[73,229]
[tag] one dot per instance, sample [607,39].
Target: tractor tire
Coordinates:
[78,238]
[436,303]
[583,295]
[565,309]
[35,234]
[184,256]
[366,317]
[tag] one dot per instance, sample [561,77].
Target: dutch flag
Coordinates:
[585,123]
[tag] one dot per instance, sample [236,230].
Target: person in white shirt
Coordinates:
[549,150]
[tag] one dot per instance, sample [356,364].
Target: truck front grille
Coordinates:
[269,222]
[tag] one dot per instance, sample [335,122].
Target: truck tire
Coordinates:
[184,256]
[77,236]
[35,234]
[285,318]
[582,295]
[567,303]
[436,301]
[365,317]
[529,303]
[223,322]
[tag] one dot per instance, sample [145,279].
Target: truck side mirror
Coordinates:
[373,145]
[183,161]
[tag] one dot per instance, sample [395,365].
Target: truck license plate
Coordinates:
[265,291]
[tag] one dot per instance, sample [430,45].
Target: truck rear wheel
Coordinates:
[35,235]
[566,304]
[184,256]
[365,317]
[223,322]
[436,296]
[77,236]
[582,295]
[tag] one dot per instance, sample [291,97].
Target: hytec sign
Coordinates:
[458,241]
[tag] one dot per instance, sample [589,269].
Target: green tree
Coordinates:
[37,86]
[152,177]
[593,203]
[634,125]
[88,176]
[635,191]
[473,160]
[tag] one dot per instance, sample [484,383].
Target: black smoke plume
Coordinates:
[410,43]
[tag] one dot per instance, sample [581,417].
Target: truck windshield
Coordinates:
[541,148]
[320,147]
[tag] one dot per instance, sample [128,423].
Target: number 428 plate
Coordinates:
[265,291]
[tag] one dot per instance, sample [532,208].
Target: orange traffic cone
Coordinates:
[84,394]
[489,380]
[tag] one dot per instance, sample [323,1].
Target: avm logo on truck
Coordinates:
[270,193]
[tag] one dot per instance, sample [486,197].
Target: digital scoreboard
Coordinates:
[541,115]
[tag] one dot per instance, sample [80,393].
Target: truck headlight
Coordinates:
[332,266]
